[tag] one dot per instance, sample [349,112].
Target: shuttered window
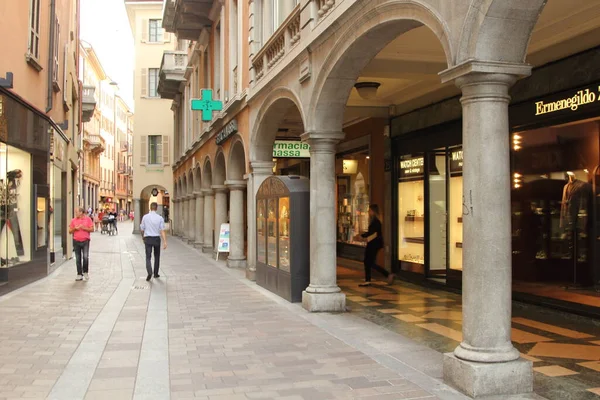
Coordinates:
[165,150]
[153,82]
[34,29]
[144,82]
[155,149]
[144,150]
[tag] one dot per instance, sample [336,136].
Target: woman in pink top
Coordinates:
[80,227]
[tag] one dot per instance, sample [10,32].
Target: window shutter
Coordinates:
[144,83]
[144,150]
[165,150]
[145,30]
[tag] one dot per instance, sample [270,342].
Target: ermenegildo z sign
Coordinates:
[581,98]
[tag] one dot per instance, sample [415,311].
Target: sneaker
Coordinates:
[364,284]
[79,278]
[86,276]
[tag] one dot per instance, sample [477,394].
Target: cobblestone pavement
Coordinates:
[200,331]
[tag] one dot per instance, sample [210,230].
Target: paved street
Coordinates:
[200,331]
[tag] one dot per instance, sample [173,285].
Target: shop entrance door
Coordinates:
[437,260]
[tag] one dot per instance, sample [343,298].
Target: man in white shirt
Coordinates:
[153,228]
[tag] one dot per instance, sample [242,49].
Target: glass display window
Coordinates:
[261,229]
[272,233]
[552,198]
[411,213]
[284,234]
[15,206]
[353,196]
[455,208]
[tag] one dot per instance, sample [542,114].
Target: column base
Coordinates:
[207,249]
[239,263]
[198,245]
[191,241]
[251,274]
[488,379]
[324,302]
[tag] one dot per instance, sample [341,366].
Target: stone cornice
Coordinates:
[484,67]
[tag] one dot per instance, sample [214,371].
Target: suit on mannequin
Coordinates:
[576,195]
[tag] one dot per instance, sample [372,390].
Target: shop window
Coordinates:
[353,188]
[455,208]
[15,206]
[411,213]
[552,201]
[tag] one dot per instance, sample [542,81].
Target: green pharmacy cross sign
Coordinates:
[207,105]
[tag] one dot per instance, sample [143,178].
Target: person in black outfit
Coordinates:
[374,239]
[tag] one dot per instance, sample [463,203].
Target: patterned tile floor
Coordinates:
[565,349]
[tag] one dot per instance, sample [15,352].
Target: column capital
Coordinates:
[236,185]
[219,188]
[262,167]
[198,193]
[322,140]
[485,71]
[207,192]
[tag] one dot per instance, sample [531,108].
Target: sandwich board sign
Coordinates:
[223,246]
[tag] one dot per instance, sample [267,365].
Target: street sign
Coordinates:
[223,246]
[206,104]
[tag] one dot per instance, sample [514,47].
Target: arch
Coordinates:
[184,189]
[236,166]
[146,198]
[269,118]
[197,178]
[207,174]
[356,47]
[190,180]
[219,170]
[498,30]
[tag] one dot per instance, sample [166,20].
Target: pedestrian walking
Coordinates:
[374,239]
[153,229]
[80,227]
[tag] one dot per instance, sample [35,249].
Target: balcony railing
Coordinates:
[324,6]
[172,73]
[93,143]
[88,103]
[187,18]
[282,41]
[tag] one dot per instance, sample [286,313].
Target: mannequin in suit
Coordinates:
[576,195]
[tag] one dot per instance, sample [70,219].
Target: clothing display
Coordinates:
[8,205]
[575,198]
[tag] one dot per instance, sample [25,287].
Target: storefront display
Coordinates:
[353,198]
[24,191]
[282,236]
[411,213]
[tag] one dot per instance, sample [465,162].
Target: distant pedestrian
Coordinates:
[80,227]
[97,220]
[153,228]
[374,239]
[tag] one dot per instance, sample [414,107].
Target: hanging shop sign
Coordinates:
[564,105]
[230,129]
[350,167]
[456,160]
[291,149]
[412,167]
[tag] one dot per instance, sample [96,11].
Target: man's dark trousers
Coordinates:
[152,243]
[82,253]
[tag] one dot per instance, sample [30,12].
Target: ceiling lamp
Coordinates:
[367,90]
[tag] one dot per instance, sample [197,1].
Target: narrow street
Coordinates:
[200,331]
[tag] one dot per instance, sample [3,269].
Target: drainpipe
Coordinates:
[51,54]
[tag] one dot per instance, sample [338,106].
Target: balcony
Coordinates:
[172,73]
[93,143]
[186,18]
[283,40]
[88,103]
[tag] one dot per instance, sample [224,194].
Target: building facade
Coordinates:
[474,126]
[210,167]
[153,126]
[40,135]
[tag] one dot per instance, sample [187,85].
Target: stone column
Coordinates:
[486,363]
[209,220]
[174,216]
[220,211]
[323,293]
[237,258]
[199,220]
[184,216]
[261,170]
[192,219]
[137,218]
